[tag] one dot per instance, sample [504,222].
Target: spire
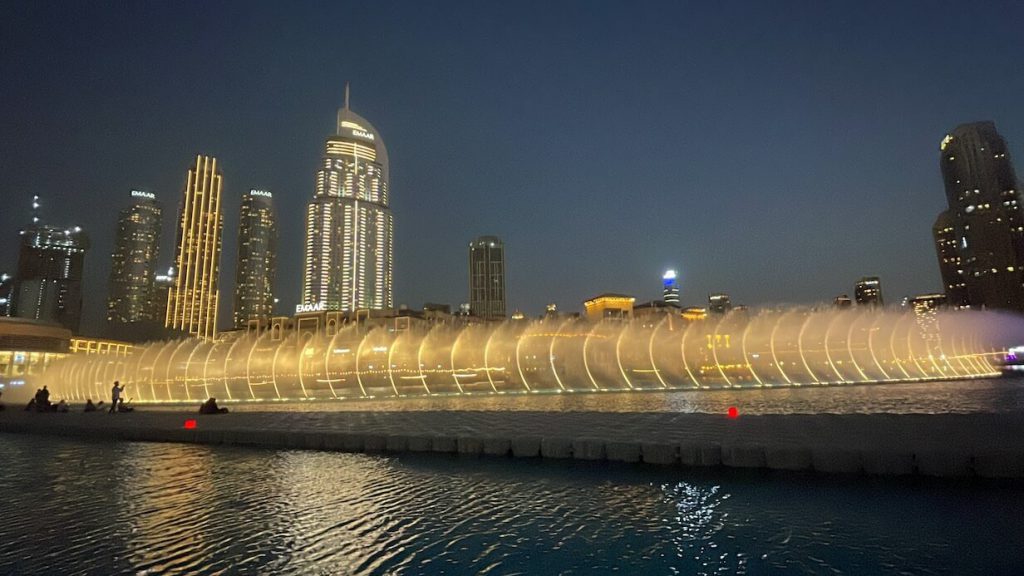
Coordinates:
[346,95]
[35,209]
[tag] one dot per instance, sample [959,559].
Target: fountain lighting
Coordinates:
[742,349]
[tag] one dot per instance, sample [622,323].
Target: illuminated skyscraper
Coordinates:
[348,255]
[944,235]
[257,259]
[719,303]
[48,282]
[985,214]
[133,265]
[670,291]
[487,278]
[192,302]
[6,294]
[868,291]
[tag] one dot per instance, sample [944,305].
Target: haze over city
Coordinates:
[776,153]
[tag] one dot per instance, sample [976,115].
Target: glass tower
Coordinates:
[48,282]
[192,301]
[133,265]
[670,288]
[985,213]
[348,253]
[487,278]
[257,259]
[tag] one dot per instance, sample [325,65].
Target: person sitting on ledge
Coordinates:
[62,407]
[89,406]
[31,406]
[210,407]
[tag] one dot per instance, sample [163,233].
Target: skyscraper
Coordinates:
[719,303]
[6,294]
[48,282]
[133,265]
[487,278]
[670,291]
[985,213]
[944,235]
[192,302]
[257,258]
[348,254]
[868,291]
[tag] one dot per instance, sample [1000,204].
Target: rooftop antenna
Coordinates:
[346,95]
[35,209]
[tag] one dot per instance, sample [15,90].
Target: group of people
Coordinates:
[41,403]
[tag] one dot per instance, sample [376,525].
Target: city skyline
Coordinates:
[864,203]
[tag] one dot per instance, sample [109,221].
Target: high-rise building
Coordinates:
[868,291]
[192,301]
[133,263]
[985,215]
[48,282]
[257,258]
[487,278]
[162,285]
[6,294]
[670,288]
[349,236]
[950,266]
[719,303]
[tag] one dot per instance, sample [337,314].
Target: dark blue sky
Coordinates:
[776,152]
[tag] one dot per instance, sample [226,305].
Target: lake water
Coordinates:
[77,507]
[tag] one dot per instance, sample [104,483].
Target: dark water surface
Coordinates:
[76,507]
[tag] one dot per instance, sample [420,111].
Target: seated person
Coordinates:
[125,407]
[89,406]
[31,406]
[62,407]
[210,407]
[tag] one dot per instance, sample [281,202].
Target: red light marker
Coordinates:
[733,412]
[190,424]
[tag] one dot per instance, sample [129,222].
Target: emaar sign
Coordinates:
[303,308]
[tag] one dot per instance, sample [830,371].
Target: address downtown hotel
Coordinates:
[349,240]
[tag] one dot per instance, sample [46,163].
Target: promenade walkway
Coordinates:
[951,445]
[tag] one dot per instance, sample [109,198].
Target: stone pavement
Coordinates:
[963,445]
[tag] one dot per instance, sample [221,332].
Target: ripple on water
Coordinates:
[86,508]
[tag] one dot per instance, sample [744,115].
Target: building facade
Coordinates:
[670,288]
[719,303]
[487,278]
[192,301]
[950,266]
[48,282]
[6,294]
[257,259]
[349,238]
[132,290]
[868,291]
[985,216]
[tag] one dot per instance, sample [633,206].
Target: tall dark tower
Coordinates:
[133,263]
[487,278]
[48,283]
[257,259]
[985,209]
[944,234]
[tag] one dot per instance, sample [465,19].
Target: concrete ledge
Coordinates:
[941,445]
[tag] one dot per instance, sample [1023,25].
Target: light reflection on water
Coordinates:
[79,507]
[963,396]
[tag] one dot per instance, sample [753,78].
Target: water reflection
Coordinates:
[79,507]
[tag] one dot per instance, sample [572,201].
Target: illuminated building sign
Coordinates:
[362,134]
[141,194]
[262,193]
[318,307]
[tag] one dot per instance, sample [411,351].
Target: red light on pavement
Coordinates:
[733,412]
[190,424]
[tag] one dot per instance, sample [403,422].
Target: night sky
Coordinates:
[777,153]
